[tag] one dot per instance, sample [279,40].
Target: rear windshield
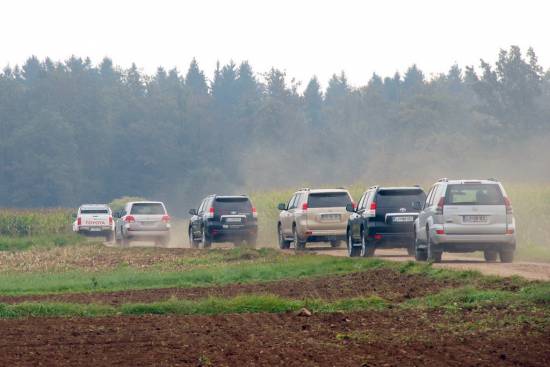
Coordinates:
[232,206]
[147,209]
[328,200]
[399,198]
[474,194]
[94,211]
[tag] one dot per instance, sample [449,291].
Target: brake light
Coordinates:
[377,236]
[304,206]
[210,213]
[354,205]
[129,219]
[78,221]
[110,220]
[510,231]
[508,205]
[440,231]
[440,205]
[166,218]
[254,213]
[373,206]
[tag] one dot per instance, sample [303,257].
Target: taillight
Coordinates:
[377,236]
[210,212]
[166,218]
[354,205]
[440,231]
[110,220]
[254,213]
[129,219]
[440,205]
[304,206]
[78,221]
[508,205]
[373,206]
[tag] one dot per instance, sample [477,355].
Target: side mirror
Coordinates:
[193,211]
[350,208]
[417,205]
[281,206]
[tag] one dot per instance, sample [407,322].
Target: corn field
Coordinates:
[34,222]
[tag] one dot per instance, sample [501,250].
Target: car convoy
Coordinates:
[455,216]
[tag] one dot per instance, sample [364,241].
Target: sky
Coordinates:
[303,38]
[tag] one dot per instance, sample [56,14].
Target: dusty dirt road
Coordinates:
[528,270]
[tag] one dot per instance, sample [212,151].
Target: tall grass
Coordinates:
[34,222]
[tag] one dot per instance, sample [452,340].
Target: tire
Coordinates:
[118,240]
[299,245]
[124,242]
[490,256]
[411,250]
[109,237]
[420,254]
[192,242]
[335,243]
[367,249]
[506,256]
[433,255]
[353,251]
[205,241]
[283,244]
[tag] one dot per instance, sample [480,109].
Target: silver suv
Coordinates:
[466,216]
[143,221]
[314,216]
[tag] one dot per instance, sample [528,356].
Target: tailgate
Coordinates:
[95,220]
[478,219]
[327,218]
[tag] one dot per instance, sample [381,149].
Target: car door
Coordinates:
[287,216]
[421,220]
[196,220]
[429,211]
[355,219]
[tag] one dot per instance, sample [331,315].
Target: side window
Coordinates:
[299,199]
[360,203]
[439,193]
[291,202]
[429,197]
[201,207]
[435,193]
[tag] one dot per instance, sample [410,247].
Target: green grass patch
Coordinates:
[8,243]
[209,306]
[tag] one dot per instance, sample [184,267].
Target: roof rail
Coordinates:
[417,185]
[374,187]
[492,179]
[304,189]
[444,179]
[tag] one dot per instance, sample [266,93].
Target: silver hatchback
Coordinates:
[466,216]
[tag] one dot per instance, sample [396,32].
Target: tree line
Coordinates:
[74,132]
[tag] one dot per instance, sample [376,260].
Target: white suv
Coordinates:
[143,221]
[466,216]
[94,220]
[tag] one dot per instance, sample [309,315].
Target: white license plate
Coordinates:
[476,219]
[402,219]
[233,220]
[147,224]
[95,229]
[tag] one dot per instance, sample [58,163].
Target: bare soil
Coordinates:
[388,338]
[386,283]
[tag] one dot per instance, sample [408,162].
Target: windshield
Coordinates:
[148,209]
[228,205]
[399,198]
[328,200]
[474,194]
[94,211]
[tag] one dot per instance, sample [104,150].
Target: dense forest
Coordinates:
[72,131]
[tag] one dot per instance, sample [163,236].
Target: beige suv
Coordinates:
[314,216]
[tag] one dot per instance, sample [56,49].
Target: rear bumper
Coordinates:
[218,233]
[450,242]
[322,233]
[147,234]
[94,231]
[392,240]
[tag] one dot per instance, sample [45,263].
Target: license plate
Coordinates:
[330,217]
[402,219]
[95,229]
[233,220]
[476,219]
[147,224]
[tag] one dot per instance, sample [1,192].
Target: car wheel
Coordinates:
[420,254]
[283,244]
[433,254]
[353,251]
[192,242]
[117,237]
[367,249]
[411,250]
[124,242]
[109,237]
[335,243]
[506,256]
[205,241]
[490,256]
[299,245]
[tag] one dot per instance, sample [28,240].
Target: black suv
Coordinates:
[223,219]
[384,218]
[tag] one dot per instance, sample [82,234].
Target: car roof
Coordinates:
[145,202]
[318,191]
[459,182]
[400,188]
[94,206]
[231,196]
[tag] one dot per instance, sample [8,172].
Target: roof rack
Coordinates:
[417,185]
[492,179]
[374,187]
[304,189]
[444,179]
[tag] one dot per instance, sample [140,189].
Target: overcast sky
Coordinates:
[301,37]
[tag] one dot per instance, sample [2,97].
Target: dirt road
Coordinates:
[528,270]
